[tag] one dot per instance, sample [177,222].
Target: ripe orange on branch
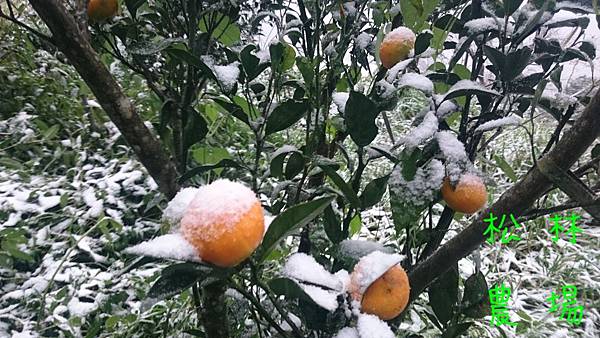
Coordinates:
[396,46]
[468,196]
[224,222]
[100,10]
[381,285]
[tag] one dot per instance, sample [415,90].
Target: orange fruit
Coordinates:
[100,10]
[468,196]
[225,223]
[388,295]
[396,46]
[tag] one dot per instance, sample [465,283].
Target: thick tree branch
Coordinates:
[516,200]
[73,43]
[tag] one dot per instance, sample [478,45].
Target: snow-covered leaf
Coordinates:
[171,246]
[467,87]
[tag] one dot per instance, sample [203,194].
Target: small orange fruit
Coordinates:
[100,10]
[225,223]
[396,46]
[380,284]
[468,196]
[388,295]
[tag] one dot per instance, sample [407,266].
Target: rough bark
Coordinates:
[516,200]
[73,43]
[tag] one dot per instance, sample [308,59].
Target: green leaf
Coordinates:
[355,225]
[11,248]
[290,289]
[289,57]
[285,115]
[506,168]
[226,31]
[249,62]
[195,129]
[443,295]
[276,52]
[276,163]
[234,109]
[346,189]
[457,330]
[187,57]
[510,6]
[51,132]
[464,88]
[306,69]
[10,163]
[290,220]
[360,114]
[133,5]
[178,277]
[422,42]
[147,47]
[295,165]
[374,192]
[333,226]
[596,151]
[475,300]
[226,163]
[350,254]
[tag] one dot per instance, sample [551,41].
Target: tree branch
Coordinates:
[72,42]
[516,200]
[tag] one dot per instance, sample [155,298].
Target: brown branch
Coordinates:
[516,200]
[73,43]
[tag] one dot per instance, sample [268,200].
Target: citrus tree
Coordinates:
[297,102]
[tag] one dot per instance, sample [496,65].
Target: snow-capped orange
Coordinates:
[100,10]
[380,284]
[468,196]
[224,222]
[396,46]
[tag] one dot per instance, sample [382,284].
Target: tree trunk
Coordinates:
[214,311]
[67,36]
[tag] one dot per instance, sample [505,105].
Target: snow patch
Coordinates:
[499,123]
[170,246]
[370,326]
[178,205]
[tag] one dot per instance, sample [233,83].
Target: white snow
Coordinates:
[423,187]
[227,75]
[358,248]
[369,268]
[401,33]
[385,89]
[481,25]
[304,268]
[363,40]
[370,326]
[324,298]
[340,99]
[499,123]
[178,205]
[285,326]
[170,246]
[416,81]
[222,201]
[47,202]
[452,149]
[445,108]
[399,67]
[422,132]
[468,85]
[347,332]
[80,309]
[96,206]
